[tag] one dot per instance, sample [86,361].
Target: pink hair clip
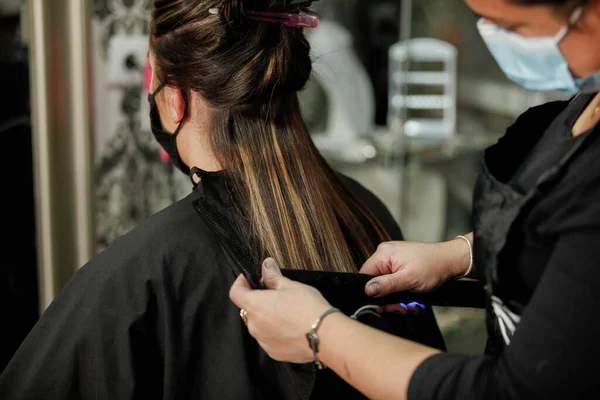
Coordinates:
[292,20]
[286,19]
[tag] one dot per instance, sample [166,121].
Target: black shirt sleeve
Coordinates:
[554,350]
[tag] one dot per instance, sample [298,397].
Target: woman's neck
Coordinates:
[195,149]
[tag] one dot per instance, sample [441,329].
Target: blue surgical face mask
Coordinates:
[536,63]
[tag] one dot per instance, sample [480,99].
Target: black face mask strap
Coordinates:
[152,96]
[185,111]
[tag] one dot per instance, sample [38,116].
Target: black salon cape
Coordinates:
[150,318]
[551,263]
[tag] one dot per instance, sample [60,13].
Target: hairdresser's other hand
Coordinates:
[413,266]
[280,318]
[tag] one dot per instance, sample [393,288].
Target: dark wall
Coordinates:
[379,29]
[18,271]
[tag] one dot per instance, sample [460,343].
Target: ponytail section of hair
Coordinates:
[295,207]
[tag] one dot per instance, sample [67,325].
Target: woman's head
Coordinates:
[213,53]
[539,18]
[230,60]
[232,83]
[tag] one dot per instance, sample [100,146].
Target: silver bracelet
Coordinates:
[466,239]
[313,338]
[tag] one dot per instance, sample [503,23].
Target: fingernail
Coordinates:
[374,289]
[270,264]
[404,307]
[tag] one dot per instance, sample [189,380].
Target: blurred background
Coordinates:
[404,98]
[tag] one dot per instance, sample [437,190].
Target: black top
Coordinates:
[151,318]
[550,265]
[551,147]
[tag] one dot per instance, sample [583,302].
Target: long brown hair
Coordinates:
[296,207]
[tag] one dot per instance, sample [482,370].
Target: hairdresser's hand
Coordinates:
[417,267]
[280,318]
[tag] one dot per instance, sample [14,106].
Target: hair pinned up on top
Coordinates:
[189,43]
[295,207]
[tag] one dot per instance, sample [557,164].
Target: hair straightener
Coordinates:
[337,286]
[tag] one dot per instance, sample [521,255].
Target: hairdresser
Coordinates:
[535,245]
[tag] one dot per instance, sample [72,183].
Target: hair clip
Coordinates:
[292,20]
[298,20]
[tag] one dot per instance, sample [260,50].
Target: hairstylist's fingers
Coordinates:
[271,274]
[380,262]
[397,308]
[387,284]
[239,291]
